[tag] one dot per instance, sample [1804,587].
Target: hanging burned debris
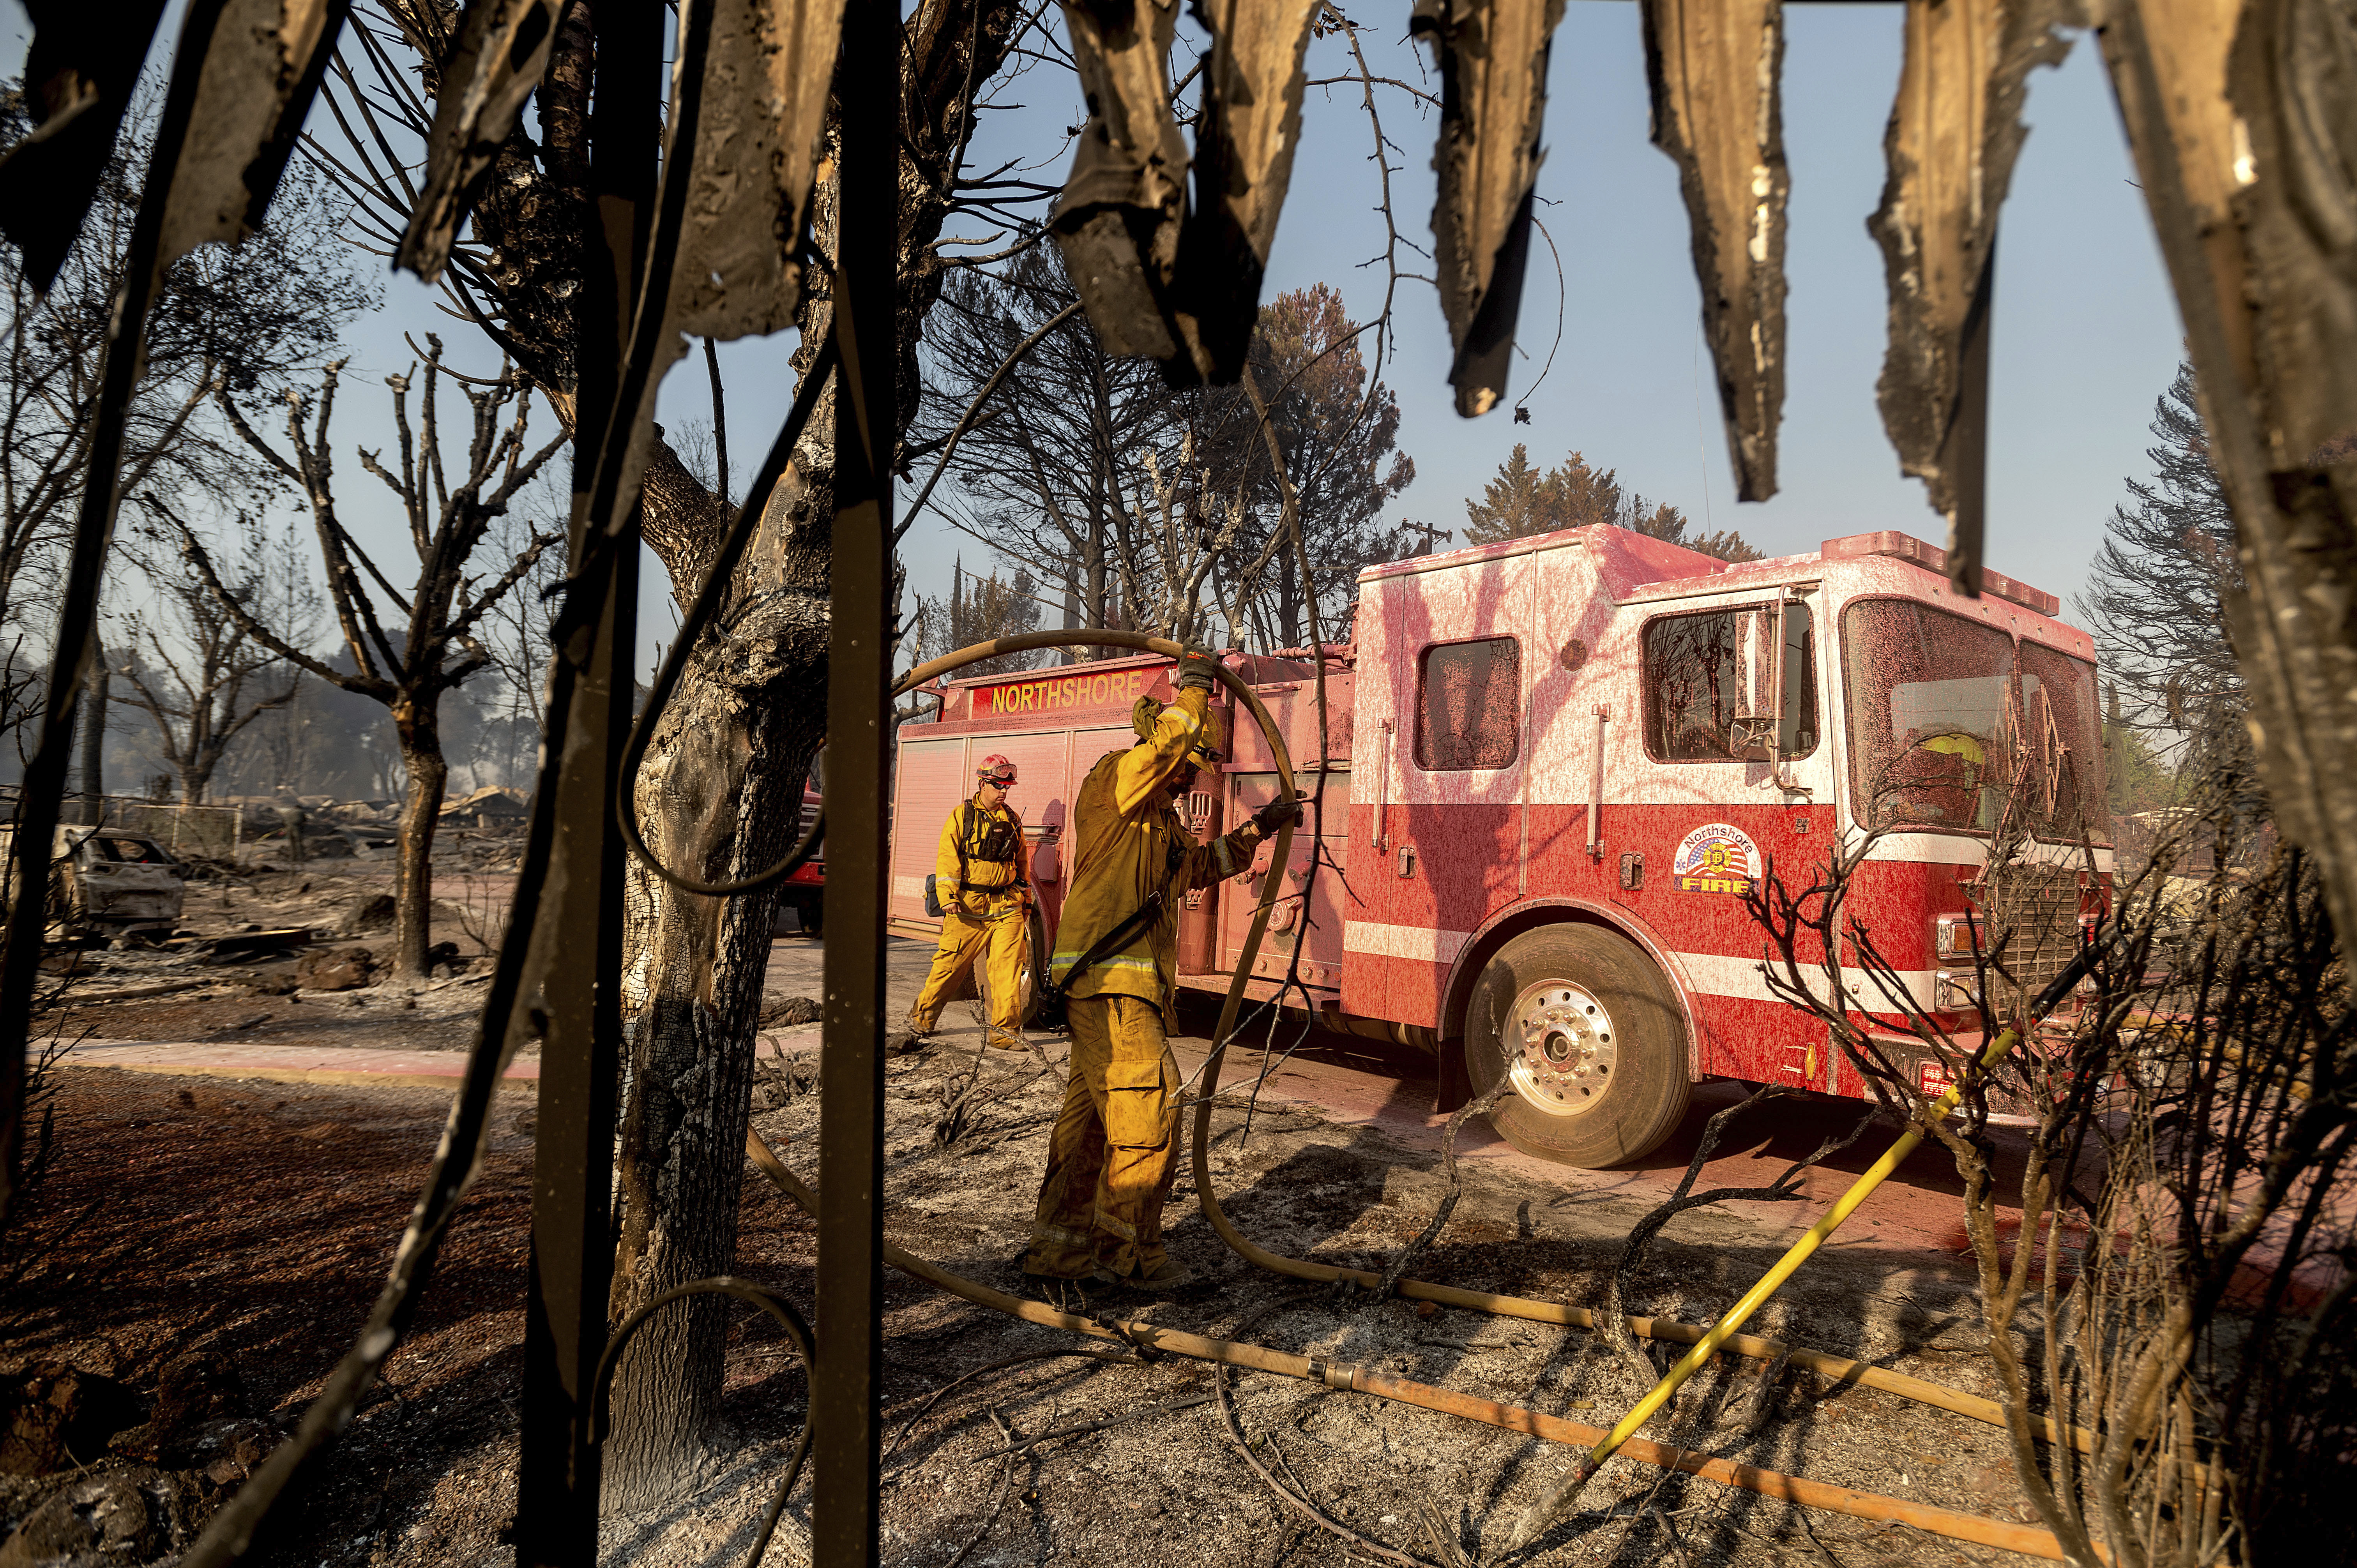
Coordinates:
[1124,203]
[500,57]
[1956,130]
[1245,145]
[1717,78]
[1180,282]
[1492,56]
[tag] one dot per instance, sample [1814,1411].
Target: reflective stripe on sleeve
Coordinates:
[1064,961]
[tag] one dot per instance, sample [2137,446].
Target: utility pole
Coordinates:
[1432,536]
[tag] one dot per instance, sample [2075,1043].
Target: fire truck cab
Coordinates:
[1554,767]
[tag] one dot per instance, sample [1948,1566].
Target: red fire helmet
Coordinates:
[995,770]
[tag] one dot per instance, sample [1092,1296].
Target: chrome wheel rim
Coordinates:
[1561,1047]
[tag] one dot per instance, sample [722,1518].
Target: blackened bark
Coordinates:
[720,795]
[535,208]
[93,728]
[681,520]
[419,726]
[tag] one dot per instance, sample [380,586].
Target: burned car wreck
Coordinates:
[109,882]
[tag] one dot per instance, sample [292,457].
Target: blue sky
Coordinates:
[2086,336]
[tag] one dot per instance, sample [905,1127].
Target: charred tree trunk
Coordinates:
[195,766]
[720,798]
[1288,601]
[93,730]
[419,726]
[1092,559]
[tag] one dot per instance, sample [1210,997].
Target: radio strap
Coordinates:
[1050,1006]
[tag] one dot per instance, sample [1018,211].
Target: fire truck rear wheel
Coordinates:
[1589,1031]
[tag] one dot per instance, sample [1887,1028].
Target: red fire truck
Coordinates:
[1555,766]
[805,889]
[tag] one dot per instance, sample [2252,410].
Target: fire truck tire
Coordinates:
[1590,1030]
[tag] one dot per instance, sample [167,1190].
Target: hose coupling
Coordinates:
[1341,1376]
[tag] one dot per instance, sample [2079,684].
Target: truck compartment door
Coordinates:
[1448,659]
[1315,930]
[930,782]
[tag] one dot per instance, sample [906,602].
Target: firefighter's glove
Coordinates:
[1196,663]
[1276,814]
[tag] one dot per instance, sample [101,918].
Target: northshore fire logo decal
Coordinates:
[1717,857]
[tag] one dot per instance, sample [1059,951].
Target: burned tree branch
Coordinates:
[1399,1266]
[447,525]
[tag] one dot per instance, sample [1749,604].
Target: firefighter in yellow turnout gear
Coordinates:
[1115,1143]
[986,907]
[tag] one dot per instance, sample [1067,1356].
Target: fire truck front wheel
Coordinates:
[1588,1031]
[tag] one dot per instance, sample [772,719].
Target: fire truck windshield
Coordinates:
[1953,725]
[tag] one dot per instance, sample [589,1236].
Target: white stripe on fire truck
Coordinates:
[1717,974]
[1706,973]
[1421,942]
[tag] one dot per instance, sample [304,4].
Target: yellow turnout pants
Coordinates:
[1115,1147]
[996,923]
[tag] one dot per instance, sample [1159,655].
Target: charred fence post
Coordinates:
[843,1409]
[571,1263]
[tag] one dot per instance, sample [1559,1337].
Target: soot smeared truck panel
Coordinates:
[1555,767]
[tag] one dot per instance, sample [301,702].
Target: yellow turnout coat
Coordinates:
[1128,841]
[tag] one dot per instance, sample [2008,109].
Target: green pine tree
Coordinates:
[1513,505]
[1522,500]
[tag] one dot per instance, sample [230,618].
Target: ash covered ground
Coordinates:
[227,1237]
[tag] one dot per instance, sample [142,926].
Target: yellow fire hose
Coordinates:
[1864,1505]
[1786,1266]
[1843,1206]
[1153,1337]
[1839,1369]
